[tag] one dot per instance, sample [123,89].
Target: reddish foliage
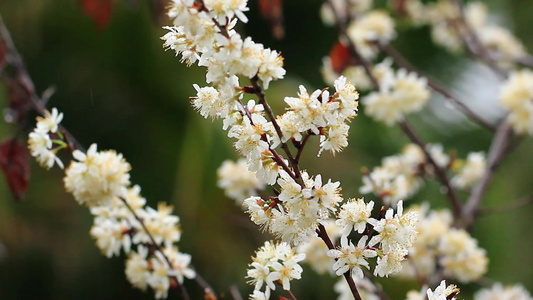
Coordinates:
[3,54]
[15,163]
[399,6]
[19,101]
[99,10]
[273,11]
[340,57]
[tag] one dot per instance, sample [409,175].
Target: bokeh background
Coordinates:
[118,88]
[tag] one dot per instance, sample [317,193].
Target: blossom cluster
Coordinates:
[200,34]
[238,183]
[41,144]
[496,292]
[274,263]
[449,29]
[397,233]
[400,92]
[294,214]
[386,239]
[500,292]
[367,28]
[122,221]
[400,176]
[440,246]
[441,292]
[516,94]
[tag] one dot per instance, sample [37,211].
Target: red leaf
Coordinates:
[273,11]
[99,10]
[282,298]
[15,163]
[3,54]
[19,101]
[340,57]
[399,6]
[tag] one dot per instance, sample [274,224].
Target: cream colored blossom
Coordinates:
[97,177]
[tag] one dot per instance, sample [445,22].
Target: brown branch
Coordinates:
[301,146]
[262,100]
[496,153]
[441,174]
[401,61]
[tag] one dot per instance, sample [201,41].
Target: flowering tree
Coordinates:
[356,238]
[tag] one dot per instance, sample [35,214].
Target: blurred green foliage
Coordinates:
[118,88]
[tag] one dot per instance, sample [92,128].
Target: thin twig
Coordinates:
[234,291]
[262,100]
[441,174]
[524,201]
[290,294]
[496,153]
[301,146]
[401,61]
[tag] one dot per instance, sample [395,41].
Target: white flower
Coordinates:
[354,215]
[500,292]
[284,272]
[348,96]
[51,121]
[374,26]
[403,94]
[259,210]
[274,262]
[208,102]
[39,141]
[180,263]
[351,258]
[501,43]
[222,9]
[238,183]
[516,94]
[97,177]
[461,257]
[271,67]
[442,292]
[390,262]
[137,268]
[158,279]
[249,135]
[335,138]
[160,223]
[397,231]
[471,172]
[111,236]
[258,295]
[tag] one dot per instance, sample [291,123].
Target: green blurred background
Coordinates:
[118,88]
